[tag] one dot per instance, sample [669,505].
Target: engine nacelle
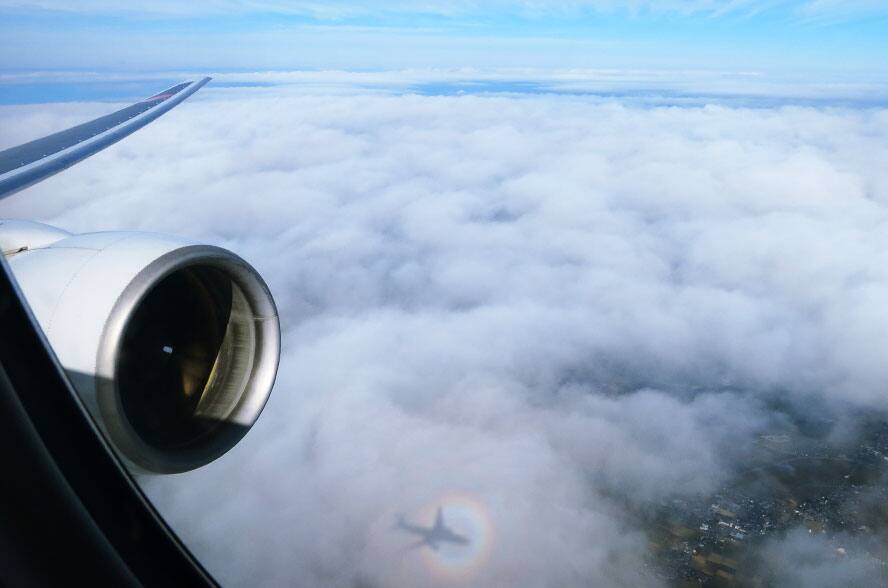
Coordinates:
[172,345]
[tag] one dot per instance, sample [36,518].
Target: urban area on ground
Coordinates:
[795,483]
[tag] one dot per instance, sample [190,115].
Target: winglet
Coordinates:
[33,162]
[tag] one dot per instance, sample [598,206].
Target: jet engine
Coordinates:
[172,345]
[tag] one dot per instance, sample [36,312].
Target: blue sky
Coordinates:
[811,37]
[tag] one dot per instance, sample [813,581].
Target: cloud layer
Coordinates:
[567,310]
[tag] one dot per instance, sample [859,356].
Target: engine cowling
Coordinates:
[172,345]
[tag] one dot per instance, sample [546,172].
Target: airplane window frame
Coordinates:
[71,510]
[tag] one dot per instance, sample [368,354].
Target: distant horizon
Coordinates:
[648,88]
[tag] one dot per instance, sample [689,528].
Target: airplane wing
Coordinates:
[32,162]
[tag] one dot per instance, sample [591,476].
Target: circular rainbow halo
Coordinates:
[468,518]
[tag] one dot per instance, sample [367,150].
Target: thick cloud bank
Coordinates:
[561,312]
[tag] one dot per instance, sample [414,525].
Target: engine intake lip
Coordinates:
[259,376]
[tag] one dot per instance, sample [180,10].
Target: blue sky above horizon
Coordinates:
[770,35]
[714,47]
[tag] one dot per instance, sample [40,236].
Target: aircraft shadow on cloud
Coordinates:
[433,536]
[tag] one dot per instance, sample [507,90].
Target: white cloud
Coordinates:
[842,7]
[804,559]
[565,309]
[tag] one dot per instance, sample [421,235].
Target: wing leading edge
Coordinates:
[32,162]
